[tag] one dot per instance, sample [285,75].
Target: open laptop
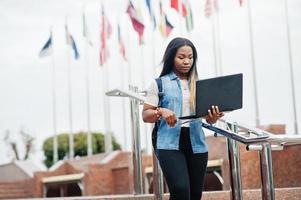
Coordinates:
[223,91]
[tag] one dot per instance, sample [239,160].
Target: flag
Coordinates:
[86,32]
[151,13]
[165,26]
[121,44]
[168,26]
[210,6]
[136,21]
[189,18]
[175,5]
[70,41]
[240,2]
[47,48]
[105,33]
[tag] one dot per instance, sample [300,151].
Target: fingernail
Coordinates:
[209,111]
[216,107]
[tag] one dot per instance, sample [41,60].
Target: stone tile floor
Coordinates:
[280,194]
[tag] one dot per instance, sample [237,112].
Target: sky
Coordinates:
[25,79]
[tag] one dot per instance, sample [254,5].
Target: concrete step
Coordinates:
[280,194]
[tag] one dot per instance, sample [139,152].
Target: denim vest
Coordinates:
[168,137]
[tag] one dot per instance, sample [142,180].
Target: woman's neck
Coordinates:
[181,76]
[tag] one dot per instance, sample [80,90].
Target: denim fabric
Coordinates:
[168,137]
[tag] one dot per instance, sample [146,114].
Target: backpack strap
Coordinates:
[157,123]
[160,89]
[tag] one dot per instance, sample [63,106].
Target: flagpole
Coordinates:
[124,108]
[108,136]
[71,139]
[143,82]
[180,7]
[214,46]
[143,87]
[153,54]
[153,44]
[87,70]
[257,121]
[154,23]
[55,139]
[129,64]
[289,42]
[129,57]
[123,84]
[218,38]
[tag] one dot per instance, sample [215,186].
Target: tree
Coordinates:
[80,146]
[26,142]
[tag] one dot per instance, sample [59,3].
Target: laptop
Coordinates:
[223,91]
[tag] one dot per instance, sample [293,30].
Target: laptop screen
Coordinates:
[223,91]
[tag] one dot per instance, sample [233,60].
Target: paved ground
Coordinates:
[280,194]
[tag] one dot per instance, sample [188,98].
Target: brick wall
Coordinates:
[121,180]
[286,163]
[64,169]
[17,189]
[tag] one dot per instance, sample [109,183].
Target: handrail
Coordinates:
[271,138]
[254,138]
[126,93]
[136,98]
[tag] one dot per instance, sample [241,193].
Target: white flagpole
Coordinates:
[143,82]
[129,74]
[55,139]
[123,70]
[257,121]
[180,7]
[108,136]
[154,76]
[218,42]
[143,87]
[71,140]
[291,67]
[129,65]
[129,56]
[214,46]
[87,70]
[215,37]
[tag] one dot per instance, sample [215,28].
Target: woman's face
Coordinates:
[183,61]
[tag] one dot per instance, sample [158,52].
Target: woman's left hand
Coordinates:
[213,115]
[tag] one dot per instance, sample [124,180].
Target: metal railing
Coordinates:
[255,140]
[137,98]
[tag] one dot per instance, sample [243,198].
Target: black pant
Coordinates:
[183,170]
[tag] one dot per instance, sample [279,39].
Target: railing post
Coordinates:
[136,146]
[266,168]
[158,184]
[234,166]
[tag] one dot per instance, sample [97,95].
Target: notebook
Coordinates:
[223,91]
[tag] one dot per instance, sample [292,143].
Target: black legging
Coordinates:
[183,170]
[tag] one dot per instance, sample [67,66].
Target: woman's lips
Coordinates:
[186,68]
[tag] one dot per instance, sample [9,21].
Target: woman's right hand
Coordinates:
[169,116]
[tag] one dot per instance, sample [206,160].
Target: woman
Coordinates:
[180,147]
